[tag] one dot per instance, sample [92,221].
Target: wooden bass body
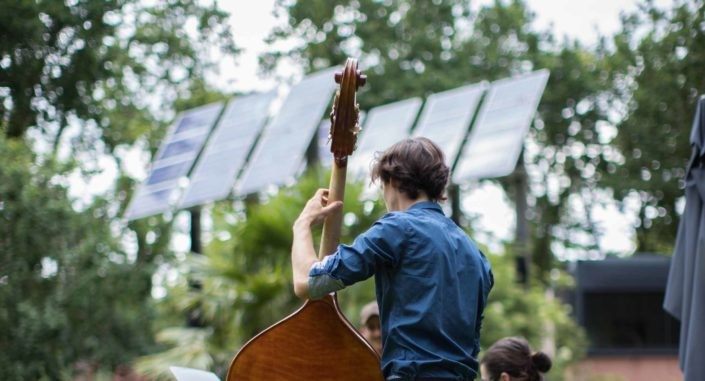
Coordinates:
[314,343]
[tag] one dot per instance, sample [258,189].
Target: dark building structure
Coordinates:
[619,304]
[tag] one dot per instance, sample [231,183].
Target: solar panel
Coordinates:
[446,117]
[325,157]
[279,154]
[174,159]
[227,149]
[384,126]
[496,140]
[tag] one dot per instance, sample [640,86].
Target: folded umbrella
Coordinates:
[685,290]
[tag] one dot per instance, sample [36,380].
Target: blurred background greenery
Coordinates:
[84,83]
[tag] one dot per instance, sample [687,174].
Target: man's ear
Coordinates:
[504,377]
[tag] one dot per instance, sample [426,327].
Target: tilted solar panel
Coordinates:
[496,140]
[175,157]
[224,156]
[280,152]
[446,117]
[382,127]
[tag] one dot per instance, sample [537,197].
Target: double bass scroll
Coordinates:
[344,126]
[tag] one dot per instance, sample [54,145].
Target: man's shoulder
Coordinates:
[392,217]
[390,223]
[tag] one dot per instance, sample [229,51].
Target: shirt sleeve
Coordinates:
[322,283]
[487,283]
[380,246]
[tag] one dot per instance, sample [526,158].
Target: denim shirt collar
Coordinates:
[426,205]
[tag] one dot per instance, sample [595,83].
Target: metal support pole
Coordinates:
[193,317]
[454,196]
[521,241]
[196,230]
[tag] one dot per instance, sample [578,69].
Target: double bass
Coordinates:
[317,342]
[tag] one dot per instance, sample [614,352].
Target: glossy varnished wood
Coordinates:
[314,343]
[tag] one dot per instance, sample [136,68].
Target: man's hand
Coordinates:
[303,254]
[318,208]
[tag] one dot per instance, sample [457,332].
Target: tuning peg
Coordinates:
[361,79]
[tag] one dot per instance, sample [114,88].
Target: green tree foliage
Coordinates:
[408,48]
[567,154]
[111,71]
[98,62]
[396,39]
[659,55]
[70,294]
[86,79]
[50,51]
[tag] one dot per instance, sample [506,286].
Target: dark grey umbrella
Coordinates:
[685,290]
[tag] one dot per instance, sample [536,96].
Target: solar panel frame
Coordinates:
[226,152]
[446,117]
[280,152]
[161,188]
[495,142]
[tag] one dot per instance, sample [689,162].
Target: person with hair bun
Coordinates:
[511,359]
[431,280]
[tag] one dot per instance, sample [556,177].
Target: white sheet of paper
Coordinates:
[189,374]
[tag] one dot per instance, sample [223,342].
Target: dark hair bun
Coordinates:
[541,361]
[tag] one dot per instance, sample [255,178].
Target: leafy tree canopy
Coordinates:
[71,295]
[103,65]
[659,55]
[87,78]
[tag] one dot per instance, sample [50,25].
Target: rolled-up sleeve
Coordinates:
[320,282]
[379,246]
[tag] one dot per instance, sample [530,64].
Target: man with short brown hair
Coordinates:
[431,280]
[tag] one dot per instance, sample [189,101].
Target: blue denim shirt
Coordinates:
[432,284]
